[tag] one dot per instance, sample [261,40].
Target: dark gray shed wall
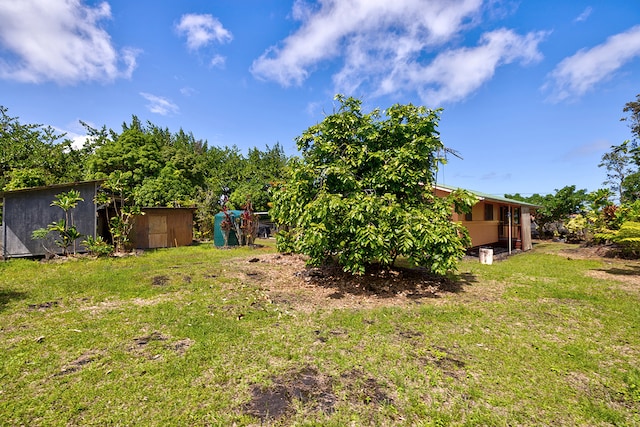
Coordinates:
[27,210]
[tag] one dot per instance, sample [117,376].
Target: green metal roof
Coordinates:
[486,196]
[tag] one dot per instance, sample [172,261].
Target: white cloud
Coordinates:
[59,41]
[201,30]
[577,74]
[188,91]
[218,61]
[455,74]
[77,141]
[159,105]
[356,28]
[584,15]
[392,46]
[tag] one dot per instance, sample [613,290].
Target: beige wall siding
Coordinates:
[486,231]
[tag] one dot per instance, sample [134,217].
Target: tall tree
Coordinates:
[619,166]
[633,108]
[363,192]
[623,161]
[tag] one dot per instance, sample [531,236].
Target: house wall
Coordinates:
[163,228]
[29,210]
[482,231]
[485,231]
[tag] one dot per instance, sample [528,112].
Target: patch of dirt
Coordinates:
[629,279]
[140,344]
[365,389]
[589,252]
[625,271]
[80,362]
[43,305]
[448,362]
[160,280]
[596,388]
[114,304]
[288,281]
[181,346]
[154,336]
[310,391]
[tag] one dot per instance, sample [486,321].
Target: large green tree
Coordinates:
[134,150]
[362,192]
[161,168]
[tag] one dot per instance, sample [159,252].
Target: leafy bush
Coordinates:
[627,238]
[97,246]
[576,228]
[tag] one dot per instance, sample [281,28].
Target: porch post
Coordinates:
[510,225]
[4,229]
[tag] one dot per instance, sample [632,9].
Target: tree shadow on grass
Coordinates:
[628,270]
[414,283]
[6,296]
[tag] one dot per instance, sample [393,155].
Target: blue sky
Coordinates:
[532,91]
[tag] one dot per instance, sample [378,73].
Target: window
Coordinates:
[488,212]
[468,216]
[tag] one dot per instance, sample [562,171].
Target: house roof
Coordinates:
[485,196]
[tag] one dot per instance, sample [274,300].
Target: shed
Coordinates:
[163,228]
[26,210]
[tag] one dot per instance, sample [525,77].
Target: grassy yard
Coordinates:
[203,336]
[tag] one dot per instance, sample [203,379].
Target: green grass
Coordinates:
[177,337]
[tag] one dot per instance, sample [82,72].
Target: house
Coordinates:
[495,221]
[29,209]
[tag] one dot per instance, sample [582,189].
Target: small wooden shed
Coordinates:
[163,228]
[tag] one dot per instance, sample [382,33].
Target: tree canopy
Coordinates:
[32,155]
[363,192]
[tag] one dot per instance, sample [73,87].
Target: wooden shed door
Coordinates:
[157,231]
